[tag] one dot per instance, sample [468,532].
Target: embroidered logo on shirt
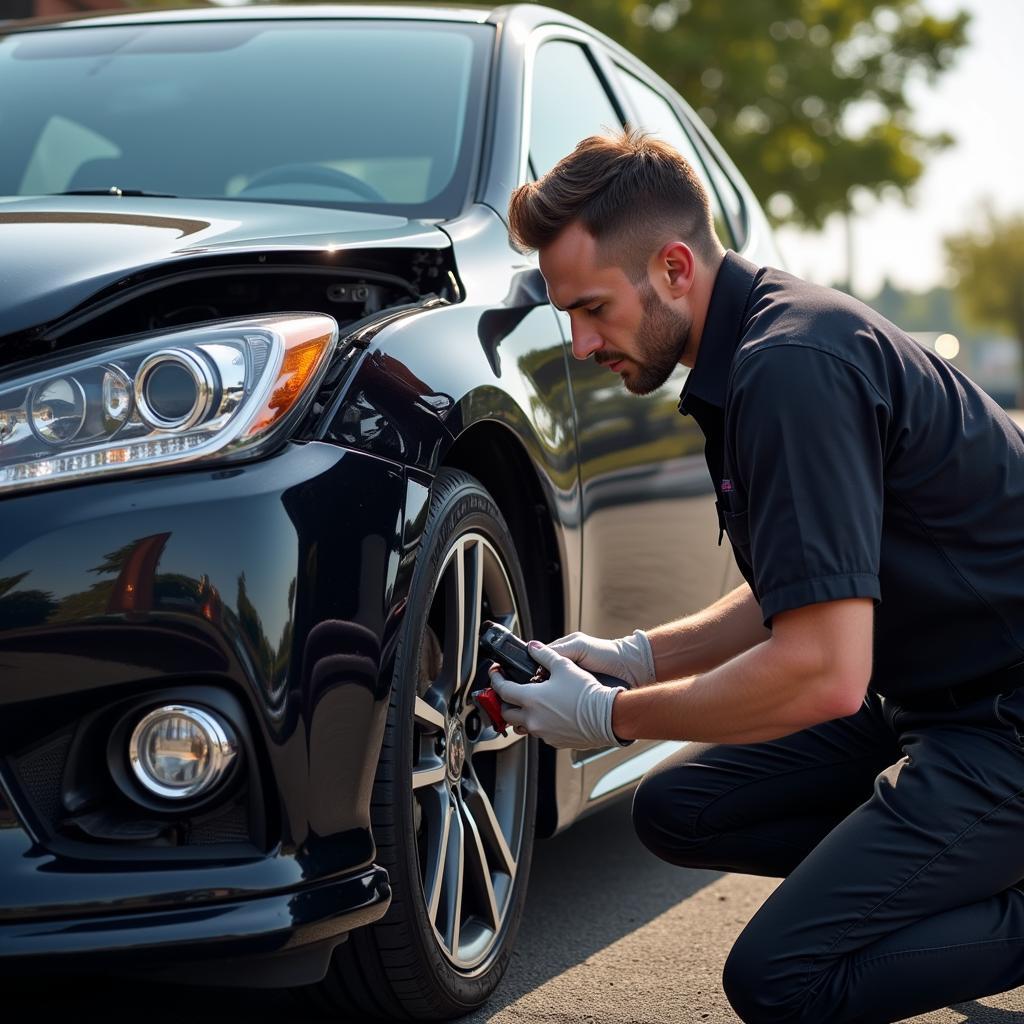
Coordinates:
[726,485]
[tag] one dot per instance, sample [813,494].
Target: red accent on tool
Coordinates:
[490,704]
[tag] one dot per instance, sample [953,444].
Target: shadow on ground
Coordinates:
[978,1013]
[589,887]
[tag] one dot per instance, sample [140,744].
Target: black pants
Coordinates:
[900,836]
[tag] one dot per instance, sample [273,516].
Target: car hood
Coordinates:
[57,252]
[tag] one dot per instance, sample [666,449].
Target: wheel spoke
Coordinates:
[463,602]
[428,716]
[477,868]
[435,871]
[454,590]
[472,608]
[428,775]
[492,740]
[479,803]
[510,621]
[454,870]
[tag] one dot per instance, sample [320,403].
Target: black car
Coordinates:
[284,418]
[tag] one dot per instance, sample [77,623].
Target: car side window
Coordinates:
[569,103]
[730,196]
[656,115]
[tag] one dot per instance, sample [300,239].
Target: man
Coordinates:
[857,708]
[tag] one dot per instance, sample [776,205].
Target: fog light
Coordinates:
[178,751]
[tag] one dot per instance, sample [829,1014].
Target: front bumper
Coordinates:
[274,587]
[265,942]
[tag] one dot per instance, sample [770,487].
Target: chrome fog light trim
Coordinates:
[178,751]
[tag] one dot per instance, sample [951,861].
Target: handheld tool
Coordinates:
[503,646]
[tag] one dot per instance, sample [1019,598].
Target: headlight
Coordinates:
[218,391]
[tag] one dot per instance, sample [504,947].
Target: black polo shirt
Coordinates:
[849,461]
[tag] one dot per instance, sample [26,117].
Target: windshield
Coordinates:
[372,115]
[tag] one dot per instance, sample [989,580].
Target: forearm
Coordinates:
[709,638]
[766,692]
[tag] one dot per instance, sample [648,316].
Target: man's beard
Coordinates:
[661,338]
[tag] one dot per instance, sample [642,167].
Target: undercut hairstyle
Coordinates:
[632,192]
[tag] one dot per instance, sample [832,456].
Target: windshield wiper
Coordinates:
[114,191]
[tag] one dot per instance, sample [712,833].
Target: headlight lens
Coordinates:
[218,391]
[58,410]
[174,389]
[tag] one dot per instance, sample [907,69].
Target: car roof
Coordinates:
[518,18]
[292,12]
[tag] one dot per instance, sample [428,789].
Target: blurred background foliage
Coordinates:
[989,265]
[809,97]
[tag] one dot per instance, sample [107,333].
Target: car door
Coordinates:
[650,532]
[656,108]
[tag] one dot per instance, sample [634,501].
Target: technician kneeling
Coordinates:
[855,711]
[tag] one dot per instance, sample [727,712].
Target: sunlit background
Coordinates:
[882,138]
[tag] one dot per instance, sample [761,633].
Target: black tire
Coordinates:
[403,968]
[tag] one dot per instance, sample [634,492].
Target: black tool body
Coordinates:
[503,646]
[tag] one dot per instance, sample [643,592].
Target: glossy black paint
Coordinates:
[283,582]
[266,941]
[277,582]
[67,261]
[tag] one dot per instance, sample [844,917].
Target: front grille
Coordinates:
[8,819]
[230,827]
[40,771]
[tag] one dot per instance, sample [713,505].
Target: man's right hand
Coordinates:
[629,658]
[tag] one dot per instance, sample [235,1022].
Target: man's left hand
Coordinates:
[568,709]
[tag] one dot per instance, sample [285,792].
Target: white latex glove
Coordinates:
[568,709]
[629,658]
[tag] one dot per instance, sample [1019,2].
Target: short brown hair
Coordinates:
[630,191]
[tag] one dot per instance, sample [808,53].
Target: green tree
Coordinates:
[809,97]
[989,264]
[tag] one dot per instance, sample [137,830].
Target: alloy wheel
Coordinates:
[469,783]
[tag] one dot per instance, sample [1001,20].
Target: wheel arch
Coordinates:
[495,455]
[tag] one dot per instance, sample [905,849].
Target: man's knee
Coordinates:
[763,984]
[665,816]
[743,981]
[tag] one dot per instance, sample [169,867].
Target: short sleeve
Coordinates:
[805,432]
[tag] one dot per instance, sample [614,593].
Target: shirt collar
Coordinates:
[723,327]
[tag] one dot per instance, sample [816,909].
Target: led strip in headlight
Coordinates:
[217,390]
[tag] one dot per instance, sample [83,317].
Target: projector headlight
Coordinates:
[180,751]
[218,391]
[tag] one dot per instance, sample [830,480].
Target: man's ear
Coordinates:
[677,267]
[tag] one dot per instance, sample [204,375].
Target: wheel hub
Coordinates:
[456,750]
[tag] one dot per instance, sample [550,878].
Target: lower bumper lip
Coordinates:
[234,928]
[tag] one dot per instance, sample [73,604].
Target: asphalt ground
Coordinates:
[612,935]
